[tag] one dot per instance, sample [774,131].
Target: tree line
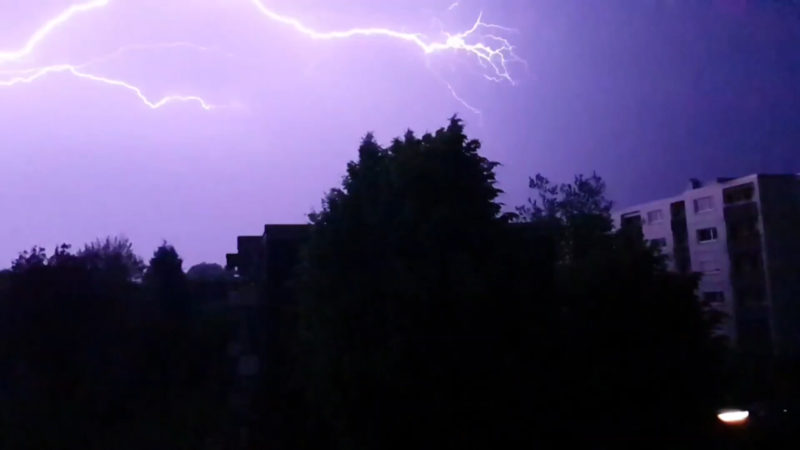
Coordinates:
[423,314]
[427,317]
[99,350]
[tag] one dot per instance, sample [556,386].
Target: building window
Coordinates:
[631,220]
[659,242]
[736,194]
[714,297]
[655,216]
[707,234]
[703,204]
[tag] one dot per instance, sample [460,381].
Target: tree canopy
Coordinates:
[428,317]
[88,363]
[114,257]
[420,315]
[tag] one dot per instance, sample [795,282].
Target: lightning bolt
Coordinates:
[495,57]
[73,70]
[462,101]
[48,28]
[31,75]
[494,53]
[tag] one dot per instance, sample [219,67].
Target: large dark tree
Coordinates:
[428,319]
[398,295]
[166,282]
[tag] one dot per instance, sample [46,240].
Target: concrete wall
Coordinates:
[780,199]
[711,259]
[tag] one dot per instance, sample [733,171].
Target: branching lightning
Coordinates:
[48,28]
[462,101]
[497,57]
[494,53]
[39,73]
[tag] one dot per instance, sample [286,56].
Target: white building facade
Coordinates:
[742,236]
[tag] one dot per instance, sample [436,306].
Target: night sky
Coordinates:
[646,92]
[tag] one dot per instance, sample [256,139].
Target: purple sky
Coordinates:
[646,92]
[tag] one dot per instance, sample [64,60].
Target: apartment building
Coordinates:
[743,236]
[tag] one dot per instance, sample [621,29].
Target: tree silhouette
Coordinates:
[637,354]
[29,259]
[114,258]
[397,291]
[209,272]
[63,341]
[166,282]
[87,364]
[430,319]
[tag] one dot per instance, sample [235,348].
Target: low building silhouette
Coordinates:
[261,303]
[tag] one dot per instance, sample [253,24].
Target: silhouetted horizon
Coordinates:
[648,94]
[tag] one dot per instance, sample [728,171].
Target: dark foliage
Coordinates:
[428,319]
[419,316]
[88,362]
[635,354]
[167,284]
[113,258]
[207,272]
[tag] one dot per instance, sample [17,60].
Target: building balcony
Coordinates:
[741,244]
[741,212]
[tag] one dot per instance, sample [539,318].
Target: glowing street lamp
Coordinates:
[733,416]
